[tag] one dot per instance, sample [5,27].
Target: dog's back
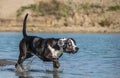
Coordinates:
[48,49]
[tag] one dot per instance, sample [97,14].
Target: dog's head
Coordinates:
[69,45]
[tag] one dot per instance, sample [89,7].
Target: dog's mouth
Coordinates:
[71,51]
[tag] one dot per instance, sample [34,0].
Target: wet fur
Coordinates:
[34,45]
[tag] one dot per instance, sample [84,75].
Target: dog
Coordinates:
[49,49]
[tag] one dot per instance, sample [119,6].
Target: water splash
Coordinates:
[25,67]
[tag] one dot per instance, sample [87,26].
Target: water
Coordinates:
[98,57]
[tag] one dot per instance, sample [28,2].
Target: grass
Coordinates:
[23,8]
[52,8]
[114,8]
[105,22]
[57,8]
[88,6]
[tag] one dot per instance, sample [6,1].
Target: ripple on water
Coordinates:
[98,57]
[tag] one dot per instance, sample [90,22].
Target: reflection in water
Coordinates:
[24,74]
[25,71]
[55,73]
[27,74]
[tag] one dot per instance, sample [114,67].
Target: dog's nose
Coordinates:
[76,48]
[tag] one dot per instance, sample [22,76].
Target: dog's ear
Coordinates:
[61,42]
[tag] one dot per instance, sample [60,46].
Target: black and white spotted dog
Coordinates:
[49,49]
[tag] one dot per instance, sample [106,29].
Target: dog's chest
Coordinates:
[55,53]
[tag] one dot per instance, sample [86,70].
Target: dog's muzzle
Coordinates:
[73,51]
[76,49]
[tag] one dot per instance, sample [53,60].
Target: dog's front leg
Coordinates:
[56,63]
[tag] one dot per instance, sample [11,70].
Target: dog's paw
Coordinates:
[19,68]
[56,64]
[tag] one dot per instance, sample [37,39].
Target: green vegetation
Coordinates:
[56,8]
[70,13]
[105,22]
[114,8]
[22,9]
[88,6]
[52,8]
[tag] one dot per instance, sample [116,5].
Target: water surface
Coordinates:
[98,57]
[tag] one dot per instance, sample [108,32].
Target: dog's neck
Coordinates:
[55,53]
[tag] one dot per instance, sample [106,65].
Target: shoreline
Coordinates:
[62,30]
[47,32]
[93,17]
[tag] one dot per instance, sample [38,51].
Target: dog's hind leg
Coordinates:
[19,66]
[24,54]
[22,58]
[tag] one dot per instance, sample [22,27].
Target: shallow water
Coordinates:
[98,57]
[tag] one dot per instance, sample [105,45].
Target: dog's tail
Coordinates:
[24,25]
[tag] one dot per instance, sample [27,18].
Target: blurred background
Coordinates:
[61,16]
[99,54]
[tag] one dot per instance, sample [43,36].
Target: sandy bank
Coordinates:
[91,17]
[8,8]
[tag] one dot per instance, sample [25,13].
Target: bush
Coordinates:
[88,6]
[114,8]
[104,22]
[54,7]
[23,8]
